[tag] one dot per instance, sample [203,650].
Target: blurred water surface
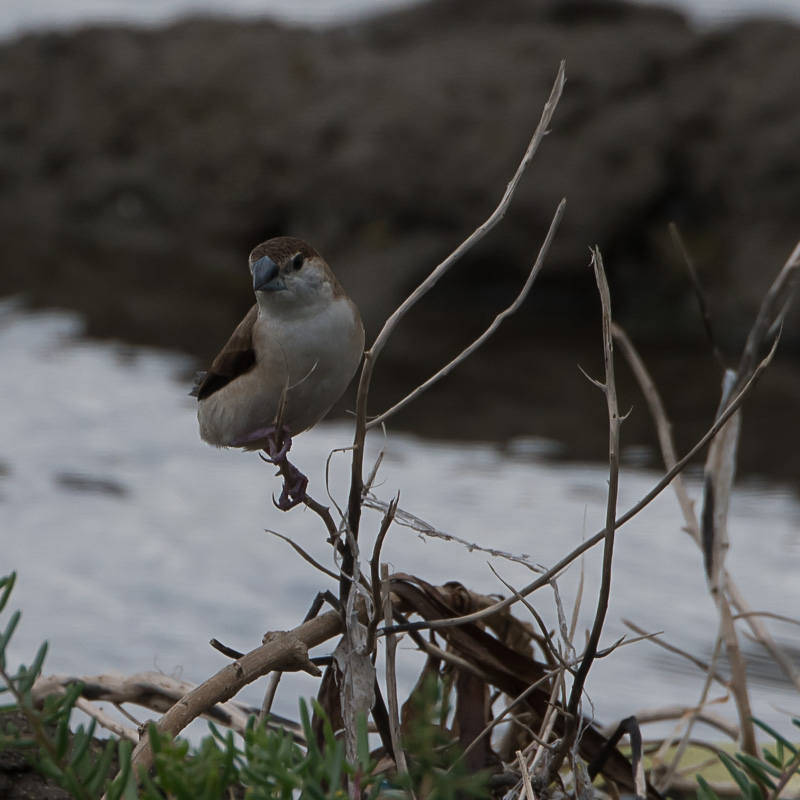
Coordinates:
[20,16]
[136,543]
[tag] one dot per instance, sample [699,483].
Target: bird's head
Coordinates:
[290,271]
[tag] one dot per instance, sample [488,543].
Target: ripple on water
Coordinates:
[136,543]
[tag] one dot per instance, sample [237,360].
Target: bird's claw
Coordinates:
[295,494]
[294,482]
[277,453]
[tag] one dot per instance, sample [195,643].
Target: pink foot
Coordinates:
[295,494]
[294,482]
[276,454]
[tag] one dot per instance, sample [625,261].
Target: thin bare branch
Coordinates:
[663,427]
[374,562]
[370,357]
[591,651]
[391,676]
[479,233]
[468,351]
[701,665]
[305,556]
[287,652]
[767,615]
[406,519]
[676,712]
[526,778]
[770,316]
[600,535]
[677,240]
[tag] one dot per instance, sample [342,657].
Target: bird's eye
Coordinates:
[297,261]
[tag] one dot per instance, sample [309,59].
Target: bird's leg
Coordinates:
[295,493]
[294,482]
[277,452]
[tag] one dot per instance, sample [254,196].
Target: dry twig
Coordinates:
[590,653]
[370,357]
[287,652]
[598,537]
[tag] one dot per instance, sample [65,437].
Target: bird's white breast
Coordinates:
[311,353]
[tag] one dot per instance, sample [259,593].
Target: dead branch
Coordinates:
[152,690]
[370,357]
[469,350]
[406,519]
[590,653]
[600,535]
[770,316]
[688,261]
[666,713]
[287,652]
[391,676]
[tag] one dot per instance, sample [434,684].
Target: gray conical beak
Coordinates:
[266,276]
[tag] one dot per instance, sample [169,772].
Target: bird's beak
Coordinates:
[266,276]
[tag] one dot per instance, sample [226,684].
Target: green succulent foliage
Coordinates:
[435,768]
[265,764]
[269,764]
[72,759]
[276,768]
[751,775]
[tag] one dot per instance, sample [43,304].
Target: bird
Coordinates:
[286,363]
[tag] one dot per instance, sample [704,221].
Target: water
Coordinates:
[135,543]
[20,16]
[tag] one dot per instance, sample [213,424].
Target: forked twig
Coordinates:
[468,351]
[287,651]
[377,598]
[370,357]
[621,520]
[406,519]
[391,675]
[688,261]
[573,717]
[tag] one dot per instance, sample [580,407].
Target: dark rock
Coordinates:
[18,779]
[77,482]
[139,167]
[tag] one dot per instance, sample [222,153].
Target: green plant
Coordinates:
[266,764]
[436,770]
[73,760]
[757,779]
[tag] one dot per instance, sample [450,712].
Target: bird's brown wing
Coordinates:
[236,358]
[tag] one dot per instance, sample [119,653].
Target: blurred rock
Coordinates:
[139,167]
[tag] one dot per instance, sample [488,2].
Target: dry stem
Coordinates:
[287,652]
[468,351]
[370,357]
[620,521]
[573,718]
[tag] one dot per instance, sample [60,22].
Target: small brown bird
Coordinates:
[288,361]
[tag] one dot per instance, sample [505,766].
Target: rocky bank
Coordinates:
[139,167]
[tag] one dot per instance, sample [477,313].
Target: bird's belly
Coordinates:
[235,411]
[312,377]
